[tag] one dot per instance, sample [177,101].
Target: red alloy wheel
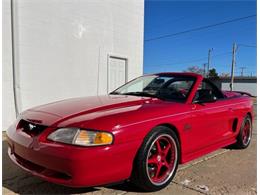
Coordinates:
[246,133]
[161,159]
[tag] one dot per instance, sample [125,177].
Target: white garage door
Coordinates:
[117,68]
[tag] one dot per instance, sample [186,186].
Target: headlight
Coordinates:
[81,137]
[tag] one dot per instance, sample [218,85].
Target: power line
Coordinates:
[222,54]
[245,45]
[198,13]
[179,42]
[193,60]
[183,62]
[200,28]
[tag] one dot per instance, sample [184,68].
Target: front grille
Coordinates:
[30,128]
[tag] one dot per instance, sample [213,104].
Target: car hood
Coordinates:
[59,111]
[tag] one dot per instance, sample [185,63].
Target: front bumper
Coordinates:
[71,165]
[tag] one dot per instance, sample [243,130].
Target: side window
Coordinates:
[183,87]
[155,84]
[176,89]
[207,87]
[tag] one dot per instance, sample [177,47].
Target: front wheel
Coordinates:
[157,160]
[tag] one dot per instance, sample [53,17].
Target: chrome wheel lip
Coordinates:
[174,165]
[250,132]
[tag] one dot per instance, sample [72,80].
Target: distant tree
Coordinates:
[195,69]
[213,73]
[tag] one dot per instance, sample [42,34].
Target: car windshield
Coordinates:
[172,88]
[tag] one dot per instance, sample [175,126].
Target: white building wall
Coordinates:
[8,114]
[245,87]
[62,48]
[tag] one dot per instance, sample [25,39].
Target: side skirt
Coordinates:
[191,156]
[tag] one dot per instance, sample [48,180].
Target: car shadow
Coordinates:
[18,181]
[126,186]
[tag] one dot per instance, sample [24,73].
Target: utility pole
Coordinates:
[233,65]
[242,71]
[204,69]
[209,60]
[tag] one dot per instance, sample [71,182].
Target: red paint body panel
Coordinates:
[200,128]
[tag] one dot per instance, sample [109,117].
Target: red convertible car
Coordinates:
[140,132]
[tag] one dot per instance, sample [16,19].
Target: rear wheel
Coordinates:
[245,134]
[157,160]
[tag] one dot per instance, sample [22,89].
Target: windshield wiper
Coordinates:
[114,93]
[141,93]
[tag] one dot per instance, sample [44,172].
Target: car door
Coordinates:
[208,119]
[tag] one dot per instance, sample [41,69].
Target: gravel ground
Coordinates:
[222,172]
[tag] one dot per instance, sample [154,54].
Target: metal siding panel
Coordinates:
[62,48]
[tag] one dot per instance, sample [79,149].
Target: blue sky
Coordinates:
[191,49]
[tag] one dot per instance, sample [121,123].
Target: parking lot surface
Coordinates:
[225,171]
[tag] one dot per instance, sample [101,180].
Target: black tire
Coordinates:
[140,176]
[242,144]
